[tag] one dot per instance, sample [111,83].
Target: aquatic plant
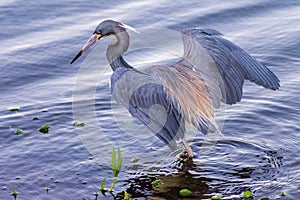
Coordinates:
[216,197]
[78,123]
[283,193]
[18,131]
[185,192]
[156,182]
[265,198]
[44,129]
[14,108]
[134,160]
[96,194]
[126,195]
[102,187]
[247,194]
[47,189]
[15,193]
[115,166]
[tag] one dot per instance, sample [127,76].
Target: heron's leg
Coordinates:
[187,148]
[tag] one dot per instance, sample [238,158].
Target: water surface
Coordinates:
[260,147]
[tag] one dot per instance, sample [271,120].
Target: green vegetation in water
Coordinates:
[78,123]
[47,189]
[156,182]
[44,129]
[216,197]
[134,160]
[115,166]
[96,194]
[102,187]
[126,195]
[18,131]
[14,109]
[283,193]
[265,198]
[15,193]
[185,192]
[247,194]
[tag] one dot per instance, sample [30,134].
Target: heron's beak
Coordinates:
[93,39]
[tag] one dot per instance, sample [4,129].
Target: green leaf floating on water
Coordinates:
[265,198]
[134,160]
[156,182]
[185,192]
[14,108]
[47,189]
[283,193]
[78,123]
[247,194]
[44,129]
[216,197]
[18,131]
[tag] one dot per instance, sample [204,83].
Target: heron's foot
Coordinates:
[184,155]
[188,149]
[189,152]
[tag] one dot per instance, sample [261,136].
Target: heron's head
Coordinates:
[105,28]
[109,27]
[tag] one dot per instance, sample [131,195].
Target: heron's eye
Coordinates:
[98,32]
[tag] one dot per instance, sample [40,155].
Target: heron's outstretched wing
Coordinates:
[150,104]
[231,62]
[146,99]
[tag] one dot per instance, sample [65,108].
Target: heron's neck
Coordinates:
[116,50]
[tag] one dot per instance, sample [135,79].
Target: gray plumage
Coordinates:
[233,63]
[165,98]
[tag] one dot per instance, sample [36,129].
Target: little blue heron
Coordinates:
[183,91]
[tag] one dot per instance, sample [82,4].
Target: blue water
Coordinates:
[260,148]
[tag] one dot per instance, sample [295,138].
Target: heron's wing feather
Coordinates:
[211,53]
[149,103]
[188,93]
